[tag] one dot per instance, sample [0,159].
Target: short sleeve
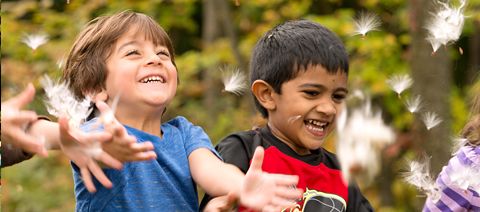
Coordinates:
[194,137]
[234,151]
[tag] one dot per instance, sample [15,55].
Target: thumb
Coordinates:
[64,128]
[23,98]
[107,116]
[257,159]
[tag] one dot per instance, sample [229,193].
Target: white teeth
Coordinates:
[317,123]
[153,79]
[314,128]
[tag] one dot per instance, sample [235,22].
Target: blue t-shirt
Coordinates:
[164,184]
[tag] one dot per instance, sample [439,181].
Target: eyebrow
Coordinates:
[321,87]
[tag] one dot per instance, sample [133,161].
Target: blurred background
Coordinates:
[211,36]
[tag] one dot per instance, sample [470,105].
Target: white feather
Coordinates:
[61,101]
[419,176]
[399,83]
[35,40]
[465,177]
[414,104]
[445,24]
[457,144]
[431,119]
[235,82]
[361,137]
[366,22]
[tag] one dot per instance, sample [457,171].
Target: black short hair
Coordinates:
[293,46]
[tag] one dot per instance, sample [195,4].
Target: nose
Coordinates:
[326,107]
[153,59]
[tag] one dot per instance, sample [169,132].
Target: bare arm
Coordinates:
[256,189]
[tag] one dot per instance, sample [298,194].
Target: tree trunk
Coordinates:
[474,48]
[210,32]
[431,74]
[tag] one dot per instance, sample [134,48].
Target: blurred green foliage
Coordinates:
[46,184]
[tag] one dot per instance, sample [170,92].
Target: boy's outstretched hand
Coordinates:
[84,150]
[268,192]
[123,146]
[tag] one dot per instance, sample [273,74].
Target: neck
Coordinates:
[147,121]
[296,148]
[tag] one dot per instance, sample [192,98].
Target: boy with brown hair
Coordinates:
[129,55]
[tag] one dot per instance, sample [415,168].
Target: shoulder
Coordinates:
[469,155]
[329,159]
[242,139]
[183,125]
[178,121]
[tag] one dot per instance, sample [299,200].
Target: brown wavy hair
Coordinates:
[85,69]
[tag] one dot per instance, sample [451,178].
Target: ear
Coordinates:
[100,96]
[264,94]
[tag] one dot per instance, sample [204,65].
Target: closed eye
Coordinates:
[164,53]
[132,52]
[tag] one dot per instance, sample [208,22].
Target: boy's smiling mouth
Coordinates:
[156,78]
[316,127]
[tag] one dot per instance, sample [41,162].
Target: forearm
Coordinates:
[213,175]
[48,130]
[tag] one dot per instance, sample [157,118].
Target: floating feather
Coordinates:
[35,40]
[61,101]
[465,177]
[361,137]
[399,83]
[366,22]
[419,176]
[431,119]
[457,144]
[414,104]
[235,82]
[446,24]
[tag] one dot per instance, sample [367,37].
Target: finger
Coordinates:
[23,98]
[102,106]
[107,114]
[119,130]
[257,159]
[282,203]
[99,174]
[87,179]
[64,129]
[288,193]
[111,162]
[24,116]
[142,156]
[141,147]
[101,137]
[29,143]
[283,179]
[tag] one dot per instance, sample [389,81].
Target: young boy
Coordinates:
[299,81]
[129,55]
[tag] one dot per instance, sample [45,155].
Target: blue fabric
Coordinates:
[164,184]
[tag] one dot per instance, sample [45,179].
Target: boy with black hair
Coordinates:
[299,73]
